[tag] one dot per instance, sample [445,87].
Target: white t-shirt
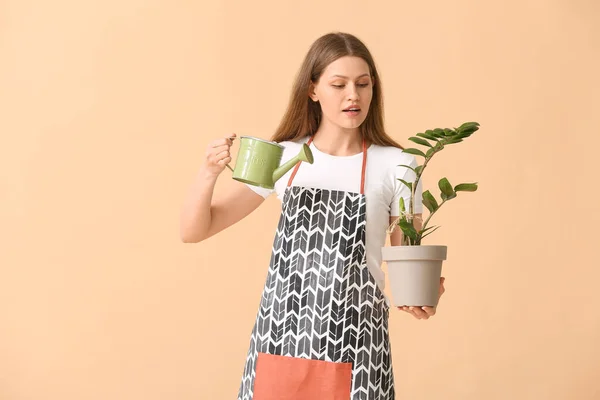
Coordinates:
[382,188]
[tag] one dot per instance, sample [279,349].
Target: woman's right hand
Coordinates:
[218,155]
[201,215]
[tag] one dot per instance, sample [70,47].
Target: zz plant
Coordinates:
[435,140]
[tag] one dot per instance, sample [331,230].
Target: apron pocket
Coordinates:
[291,378]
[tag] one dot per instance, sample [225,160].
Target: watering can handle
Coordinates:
[227,165]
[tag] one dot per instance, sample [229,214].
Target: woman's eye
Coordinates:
[360,85]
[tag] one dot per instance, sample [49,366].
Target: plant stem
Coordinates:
[410,209]
[414,186]
[431,215]
[406,240]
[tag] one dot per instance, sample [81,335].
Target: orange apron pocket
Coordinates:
[291,378]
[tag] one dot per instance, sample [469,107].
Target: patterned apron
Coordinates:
[321,332]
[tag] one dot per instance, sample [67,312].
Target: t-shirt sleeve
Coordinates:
[401,190]
[264,192]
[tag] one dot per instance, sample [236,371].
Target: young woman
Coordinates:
[322,326]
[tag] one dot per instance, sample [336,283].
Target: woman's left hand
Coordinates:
[424,312]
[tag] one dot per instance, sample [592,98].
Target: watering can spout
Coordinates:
[304,155]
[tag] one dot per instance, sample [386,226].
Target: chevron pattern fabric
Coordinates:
[319,300]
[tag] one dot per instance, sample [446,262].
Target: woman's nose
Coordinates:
[353,93]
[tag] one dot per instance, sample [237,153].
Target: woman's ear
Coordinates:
[312,93]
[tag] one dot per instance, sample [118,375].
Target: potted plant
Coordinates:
[414,269]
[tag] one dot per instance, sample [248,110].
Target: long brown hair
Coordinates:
[303,116]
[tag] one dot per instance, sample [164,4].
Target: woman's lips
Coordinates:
[352,111]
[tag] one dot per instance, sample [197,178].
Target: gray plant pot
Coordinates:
[414,273]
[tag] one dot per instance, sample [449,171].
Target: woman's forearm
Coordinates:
[196,213]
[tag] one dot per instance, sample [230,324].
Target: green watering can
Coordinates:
[258,161]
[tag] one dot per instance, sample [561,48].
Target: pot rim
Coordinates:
[421,252]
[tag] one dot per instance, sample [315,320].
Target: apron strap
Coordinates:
[364,168]
[363,171]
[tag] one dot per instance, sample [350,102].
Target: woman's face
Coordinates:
[344,91]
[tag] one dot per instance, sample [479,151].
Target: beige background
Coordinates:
[106,108]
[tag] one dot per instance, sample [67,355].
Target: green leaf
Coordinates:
[468,131]
[427,136]
[419,141]
[402,205]
[429,233]
[426,229]
[449,132]
[408,229]
[430,152]
[408,166]
[417,170]
[409,184]
[416,152]
[468,125]
[446,188]
[465,187]
[433,133]
[453,140]
[468,128]
[429,201]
